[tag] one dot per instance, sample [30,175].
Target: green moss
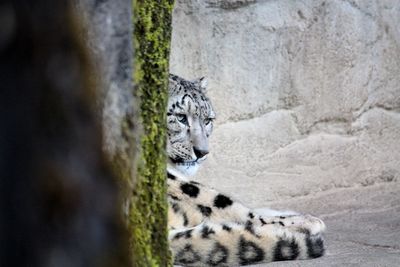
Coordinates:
[148,205]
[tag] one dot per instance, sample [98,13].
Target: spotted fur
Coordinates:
[208,228]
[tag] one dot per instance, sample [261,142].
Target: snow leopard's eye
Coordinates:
[208,121]
[182,118]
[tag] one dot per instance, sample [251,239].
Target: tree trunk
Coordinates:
[59,201]
[135,35]
[148,212]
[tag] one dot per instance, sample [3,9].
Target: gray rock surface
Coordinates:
[109,36]
[307,95]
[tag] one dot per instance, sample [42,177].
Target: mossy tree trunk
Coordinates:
[134,117]
[58,197]
[148,209]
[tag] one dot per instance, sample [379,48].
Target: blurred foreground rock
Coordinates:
[108,33]
[58,199]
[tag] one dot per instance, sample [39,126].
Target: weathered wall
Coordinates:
[307,93]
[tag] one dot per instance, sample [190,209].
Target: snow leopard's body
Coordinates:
[208,228]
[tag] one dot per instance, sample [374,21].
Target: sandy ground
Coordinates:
[363,225]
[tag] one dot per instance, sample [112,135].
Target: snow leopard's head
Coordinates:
[190,122]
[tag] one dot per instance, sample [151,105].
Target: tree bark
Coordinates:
[148,210]
[133,116]
[59,199]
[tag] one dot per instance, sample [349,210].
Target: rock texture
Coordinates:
[307,95]
[109,36]
[307,92]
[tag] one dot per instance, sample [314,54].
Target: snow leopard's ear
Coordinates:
[202,83]
[173,83]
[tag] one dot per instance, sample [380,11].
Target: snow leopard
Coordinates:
[207,227]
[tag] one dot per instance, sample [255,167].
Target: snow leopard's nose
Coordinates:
[200,152]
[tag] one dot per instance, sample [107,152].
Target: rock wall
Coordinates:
[307,93]
[109,37]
